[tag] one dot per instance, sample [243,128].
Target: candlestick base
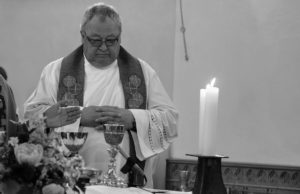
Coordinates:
[209,176]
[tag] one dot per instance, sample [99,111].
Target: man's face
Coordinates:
[101,41]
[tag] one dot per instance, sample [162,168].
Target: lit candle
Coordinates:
[208,119]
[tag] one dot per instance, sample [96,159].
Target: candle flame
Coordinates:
[212,83]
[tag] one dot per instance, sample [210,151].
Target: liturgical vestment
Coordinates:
[156,126]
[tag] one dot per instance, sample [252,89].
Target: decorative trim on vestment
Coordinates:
[133,82]
[136,99]
[158,127]
[73,88]
[71,78]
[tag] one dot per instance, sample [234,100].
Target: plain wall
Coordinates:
[35,32]
[252,48]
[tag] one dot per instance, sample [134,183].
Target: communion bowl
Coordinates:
[90,172]
[89,176]
[74,140]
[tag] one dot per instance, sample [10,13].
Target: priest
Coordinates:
[111,86]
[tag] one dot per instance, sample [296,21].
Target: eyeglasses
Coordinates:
[98,42]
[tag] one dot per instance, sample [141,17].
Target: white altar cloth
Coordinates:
[100,189]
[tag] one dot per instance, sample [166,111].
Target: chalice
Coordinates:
[73,140]
[113,134]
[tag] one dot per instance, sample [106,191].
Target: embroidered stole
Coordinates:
[71,88]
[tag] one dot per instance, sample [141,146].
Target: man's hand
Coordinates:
[60,115]
[89,116]
[96,116]
[113,114]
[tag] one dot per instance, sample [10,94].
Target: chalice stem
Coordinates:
[113,151]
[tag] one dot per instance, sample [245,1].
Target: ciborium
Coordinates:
[113,134]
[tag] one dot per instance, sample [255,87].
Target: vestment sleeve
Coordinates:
[44,94]
[156,126]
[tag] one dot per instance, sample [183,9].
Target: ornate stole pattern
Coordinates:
[133,82]
[71,78]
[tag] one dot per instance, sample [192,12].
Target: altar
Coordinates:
[100,189]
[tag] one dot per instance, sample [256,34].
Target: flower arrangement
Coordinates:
[35,160]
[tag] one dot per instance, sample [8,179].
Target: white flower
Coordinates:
[29,153]
[53,189]
[13,141]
